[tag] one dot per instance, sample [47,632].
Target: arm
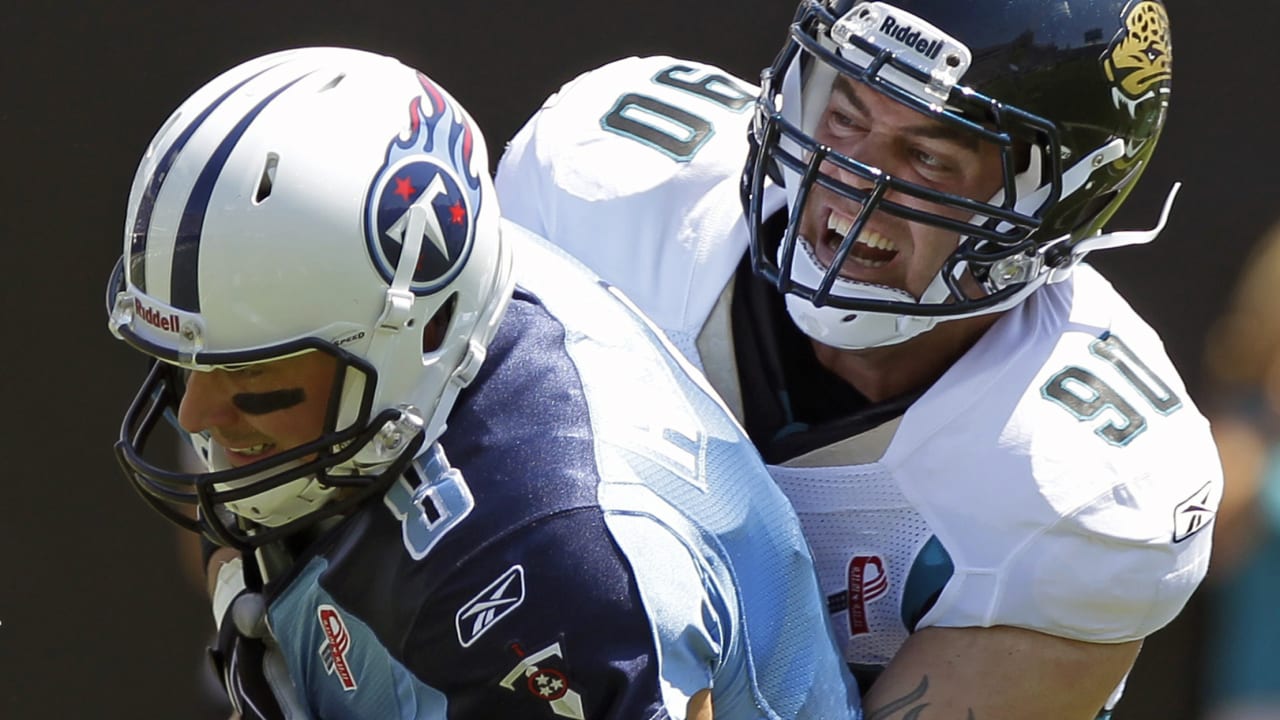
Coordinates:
[997,672]
[700,706]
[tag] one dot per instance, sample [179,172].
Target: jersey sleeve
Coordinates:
[565,634]
[633,168]
[1099,474]
[545,620]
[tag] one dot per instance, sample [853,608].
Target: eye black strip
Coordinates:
[268,402]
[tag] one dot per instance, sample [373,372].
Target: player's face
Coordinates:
[875,130]
[260,410]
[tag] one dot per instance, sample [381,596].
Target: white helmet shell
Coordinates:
[318,199]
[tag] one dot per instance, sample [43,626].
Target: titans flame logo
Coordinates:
[412,175]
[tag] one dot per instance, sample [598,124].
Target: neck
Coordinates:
[883,373]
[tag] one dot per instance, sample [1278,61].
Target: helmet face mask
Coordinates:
[254,234]
[250,505]
[1050,104]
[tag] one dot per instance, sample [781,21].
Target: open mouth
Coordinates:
[870,249]
[248,454]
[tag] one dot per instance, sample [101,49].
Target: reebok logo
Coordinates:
[491,605]
[1194,514]
[909,36]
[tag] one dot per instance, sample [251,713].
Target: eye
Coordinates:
[928,159]
[842,124]
[932,166]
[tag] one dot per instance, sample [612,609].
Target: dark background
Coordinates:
[94,620]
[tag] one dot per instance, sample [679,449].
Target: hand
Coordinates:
[246,656]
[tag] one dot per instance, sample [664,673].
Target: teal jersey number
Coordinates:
[676,131]
[1086,396]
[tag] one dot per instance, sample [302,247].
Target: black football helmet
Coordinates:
[1073,93]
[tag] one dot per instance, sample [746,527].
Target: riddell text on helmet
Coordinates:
[155,318]
[910,37]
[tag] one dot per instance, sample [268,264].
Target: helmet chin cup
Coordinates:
[849,330]
[846,329]
[280,505]
[274,506]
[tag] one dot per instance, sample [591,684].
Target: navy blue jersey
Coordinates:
[592,537]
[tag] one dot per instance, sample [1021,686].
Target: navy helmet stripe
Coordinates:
[185,278]
[147,204]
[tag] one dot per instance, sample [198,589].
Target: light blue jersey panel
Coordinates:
[361,679]
[722,567]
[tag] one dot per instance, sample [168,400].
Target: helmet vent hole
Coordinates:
[437,328]
[268,178]
[334,82]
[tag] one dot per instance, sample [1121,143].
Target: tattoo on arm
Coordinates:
[907,707]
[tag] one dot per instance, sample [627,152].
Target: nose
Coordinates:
[206,404]
[872,151]
[875,153]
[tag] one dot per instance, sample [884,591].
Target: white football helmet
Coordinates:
[313,200]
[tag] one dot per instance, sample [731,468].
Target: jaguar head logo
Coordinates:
[1139,61]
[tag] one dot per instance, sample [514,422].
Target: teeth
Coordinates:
[252,450]
[876,240]
[841,224]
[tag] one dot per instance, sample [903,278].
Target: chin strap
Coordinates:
[478,343]
[397,314]
[397,310]
[1117,239]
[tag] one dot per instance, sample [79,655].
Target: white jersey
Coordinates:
[1058,477]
